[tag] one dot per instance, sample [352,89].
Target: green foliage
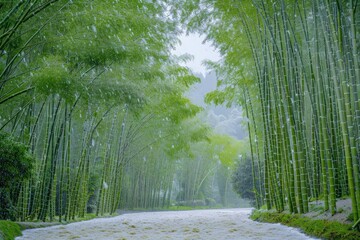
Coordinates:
[9,230]
[16,163]
[99,32]
[217,97]
[53,77]
[228,148]
[242,180]
[319,228]
[16,166]
[180,108]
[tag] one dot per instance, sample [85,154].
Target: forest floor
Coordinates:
[317,222]
[193,224]
[343,214]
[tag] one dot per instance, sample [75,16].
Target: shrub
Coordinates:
[9,230]
[16,166]
[242,180]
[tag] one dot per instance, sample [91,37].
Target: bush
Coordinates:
[9,230]
[16,166]
[242,180]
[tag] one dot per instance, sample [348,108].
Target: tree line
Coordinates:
[294,67]
[92,111]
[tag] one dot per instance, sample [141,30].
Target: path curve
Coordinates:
[197,224]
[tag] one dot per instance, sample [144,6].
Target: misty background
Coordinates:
[223,120]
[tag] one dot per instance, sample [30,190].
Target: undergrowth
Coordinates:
[9,230]
[318,228]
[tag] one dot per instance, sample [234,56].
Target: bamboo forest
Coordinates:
[95,114]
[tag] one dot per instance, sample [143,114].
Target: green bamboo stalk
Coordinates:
[259,174]
[251,151]
[103,184]
[51,156]
[68,196]
[343,110]
[119,165]
[355,149]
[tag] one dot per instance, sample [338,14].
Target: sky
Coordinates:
[192,44]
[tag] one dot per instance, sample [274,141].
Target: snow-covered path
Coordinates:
[198,224]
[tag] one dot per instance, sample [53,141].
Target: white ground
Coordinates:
[198,224]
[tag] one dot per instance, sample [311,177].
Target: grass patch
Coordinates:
[195,230]
[180,208]
[9,230]
[318,228]
[74,237]
[185,208]
[316,208]
[40,224]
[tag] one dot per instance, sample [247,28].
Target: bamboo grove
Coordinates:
[294,68]
[92,90]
